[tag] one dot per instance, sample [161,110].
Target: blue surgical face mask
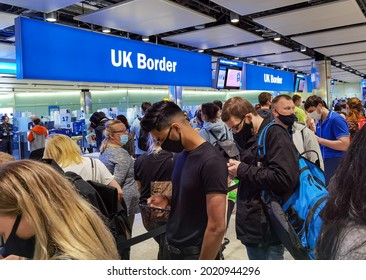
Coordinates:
[15,245]
[123,139]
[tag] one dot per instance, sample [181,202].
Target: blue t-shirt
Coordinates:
[332,128]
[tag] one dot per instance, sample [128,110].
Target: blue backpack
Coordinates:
[297,221]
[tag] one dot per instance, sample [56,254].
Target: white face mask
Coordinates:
[315,115]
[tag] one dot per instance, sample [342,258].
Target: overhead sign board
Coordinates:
[264,78]
[55,52]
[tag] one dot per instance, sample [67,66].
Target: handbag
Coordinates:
[153,217]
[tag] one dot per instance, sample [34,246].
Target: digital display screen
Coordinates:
[233,78]
[300,83]
[221,78]
[228,74]
[301,86]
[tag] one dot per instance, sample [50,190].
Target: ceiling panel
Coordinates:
[361,68]
[343,49]
[245,7]
[214,37]
[356,63]
[7,51]
[146,17]
[344,35]
[6,20]
[335,14]
[256,49]
[281,57]
[350,57]
[45,6]
[335,69]
[292,64]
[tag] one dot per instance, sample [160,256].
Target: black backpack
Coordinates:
[227,148]
[105,199]
[143,139]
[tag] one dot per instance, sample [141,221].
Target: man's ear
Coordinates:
[249,116]
[274,112]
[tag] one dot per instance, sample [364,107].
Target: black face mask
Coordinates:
[287,120]
[17,246]
[171,145]
[244,134]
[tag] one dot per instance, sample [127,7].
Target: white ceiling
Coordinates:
[335,14]
[214,37]
[350,57]
[327,38]
[295,64]
[6,20]
[245,7]
[45,6]
[275,58]
[356,63]
[146,17]
[343,49]
[255,49]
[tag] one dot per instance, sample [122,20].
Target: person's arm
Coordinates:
[216,226]
[30,136]
[341,144]
[138,183]
[115,184]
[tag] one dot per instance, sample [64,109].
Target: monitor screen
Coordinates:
[233,79]
[300,83]
[221,78]
[228,74]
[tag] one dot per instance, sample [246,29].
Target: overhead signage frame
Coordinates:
[55,52]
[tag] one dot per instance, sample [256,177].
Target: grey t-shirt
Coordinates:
[120,164]
[353,245]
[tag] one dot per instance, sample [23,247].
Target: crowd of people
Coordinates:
[42,215]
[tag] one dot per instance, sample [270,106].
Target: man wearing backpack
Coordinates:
[283,109]
[137,133]
[278,173]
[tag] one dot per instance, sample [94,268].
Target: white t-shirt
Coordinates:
[84,169]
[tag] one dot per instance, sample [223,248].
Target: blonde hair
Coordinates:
[63,150]
[5,157]
[109,130]
[65,224]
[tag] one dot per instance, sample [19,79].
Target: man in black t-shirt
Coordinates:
[197,221]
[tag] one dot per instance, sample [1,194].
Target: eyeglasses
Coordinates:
[235,128]
[120,131]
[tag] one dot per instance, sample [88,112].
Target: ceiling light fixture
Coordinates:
[234,17]
[277,37]
[51,17]
[106,30]
[198,27]
[145,38]
[303,49]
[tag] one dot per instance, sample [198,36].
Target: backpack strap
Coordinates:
[94,176]
[216,138]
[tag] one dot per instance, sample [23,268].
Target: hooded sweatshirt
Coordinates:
[37,137]
[219,129]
